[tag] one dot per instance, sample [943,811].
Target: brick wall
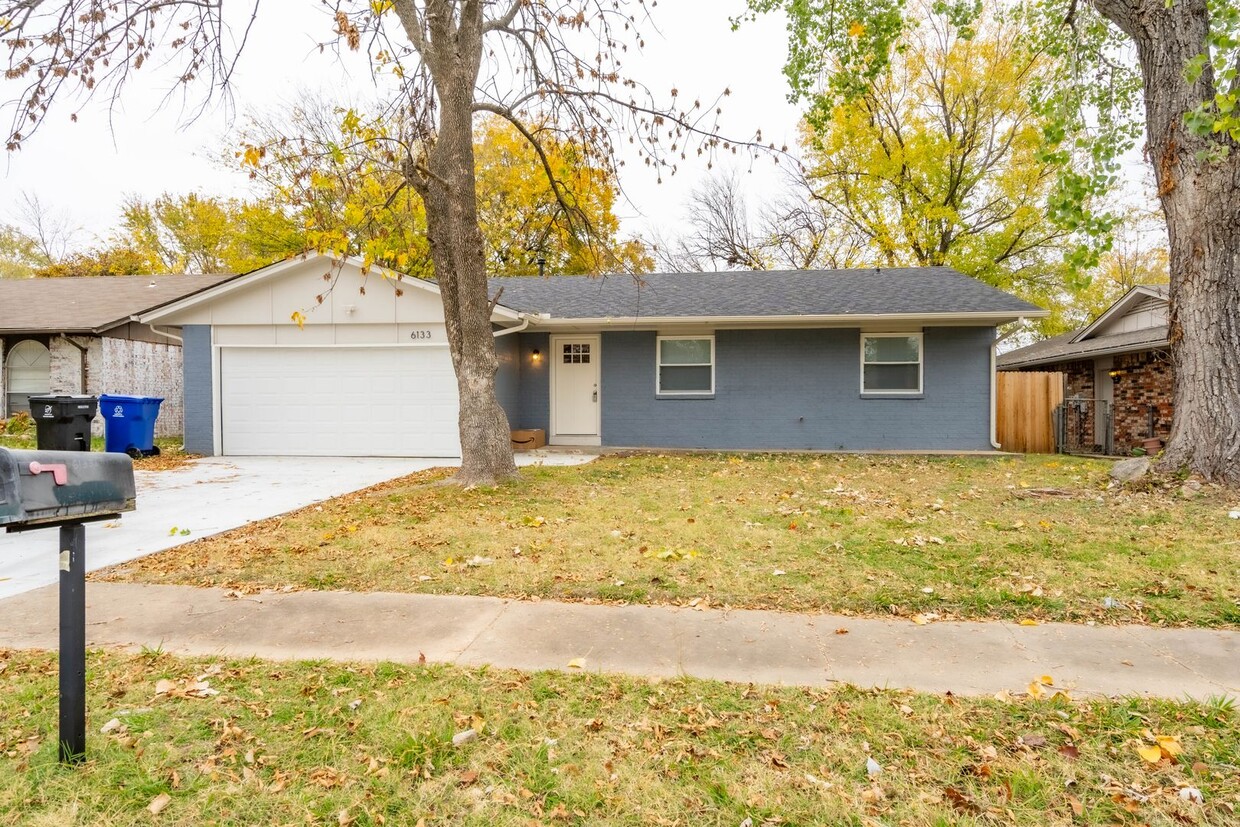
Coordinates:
[1079,382]
[125,367]
[134,368]
[798,389]
[1143,385]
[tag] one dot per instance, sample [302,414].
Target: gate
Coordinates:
[1024,404]
[1083,426]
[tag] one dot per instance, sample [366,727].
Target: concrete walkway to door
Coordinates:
[212,495]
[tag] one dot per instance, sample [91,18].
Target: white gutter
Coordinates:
[994,383]
[524,324]
[843,319]
[165,334]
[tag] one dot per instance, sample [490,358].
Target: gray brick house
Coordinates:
[318,356]
[77,335]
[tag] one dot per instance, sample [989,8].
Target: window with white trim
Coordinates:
[891,362]
[685,365]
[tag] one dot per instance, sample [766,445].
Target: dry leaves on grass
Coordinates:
[196,687]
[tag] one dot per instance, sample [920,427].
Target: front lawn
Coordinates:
[171,454]
[1035,538]
[200,741]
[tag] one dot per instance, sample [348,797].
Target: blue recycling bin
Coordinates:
[129,424]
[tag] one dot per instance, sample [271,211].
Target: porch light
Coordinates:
[535,356]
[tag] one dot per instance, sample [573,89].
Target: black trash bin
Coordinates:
[63,422]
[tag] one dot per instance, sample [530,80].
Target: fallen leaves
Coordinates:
[159,804]
[1043,688]
[673,555]
[197,687]
[1163,747]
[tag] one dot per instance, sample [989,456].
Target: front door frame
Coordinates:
[596,359]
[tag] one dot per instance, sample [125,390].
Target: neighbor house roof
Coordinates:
[1086,342]
[900,291]
[1062,348]
[91,304]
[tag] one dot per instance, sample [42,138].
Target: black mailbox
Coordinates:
[42,489]
[52,487]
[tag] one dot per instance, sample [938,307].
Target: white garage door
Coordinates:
[338,401]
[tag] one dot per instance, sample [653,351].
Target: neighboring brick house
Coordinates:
[1117,371]
[77,335]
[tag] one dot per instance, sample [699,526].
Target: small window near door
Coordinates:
[686,365]
[577,354]
[891,363]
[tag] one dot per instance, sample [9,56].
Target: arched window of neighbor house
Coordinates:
[27,370]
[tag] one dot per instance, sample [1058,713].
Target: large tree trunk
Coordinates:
[1201,201]
[458,253]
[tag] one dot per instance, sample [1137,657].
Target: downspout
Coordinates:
[84,371]
[994,382]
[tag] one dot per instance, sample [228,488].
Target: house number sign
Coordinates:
[420,334]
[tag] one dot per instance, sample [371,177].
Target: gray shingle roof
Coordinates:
[901,290]
[1062,349]
[89,304]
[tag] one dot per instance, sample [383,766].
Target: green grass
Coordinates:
[26,441]
[946,537]
[364,745]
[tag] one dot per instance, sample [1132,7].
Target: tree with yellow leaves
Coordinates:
[336,169]
[938,161]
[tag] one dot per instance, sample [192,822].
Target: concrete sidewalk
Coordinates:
[744,646]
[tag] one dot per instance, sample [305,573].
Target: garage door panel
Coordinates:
[338,402]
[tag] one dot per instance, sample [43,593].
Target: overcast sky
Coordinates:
[144,147]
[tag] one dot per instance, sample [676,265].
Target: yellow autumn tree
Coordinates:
[341,172]
[195,233]
[939,161]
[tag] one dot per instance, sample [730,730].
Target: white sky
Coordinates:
[84,169]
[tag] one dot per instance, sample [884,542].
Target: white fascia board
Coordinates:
[1118,309]
[272,270]
[839,320]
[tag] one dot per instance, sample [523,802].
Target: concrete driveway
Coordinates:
[210,496]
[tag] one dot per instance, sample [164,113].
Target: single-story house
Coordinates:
[1117,373]
[77,336]
[313,356]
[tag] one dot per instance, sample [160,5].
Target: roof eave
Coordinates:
[245,280]
[1081,356]
[839,319]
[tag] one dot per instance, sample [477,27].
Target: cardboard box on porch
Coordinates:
[528,439]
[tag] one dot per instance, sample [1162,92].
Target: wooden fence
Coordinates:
[1024,406]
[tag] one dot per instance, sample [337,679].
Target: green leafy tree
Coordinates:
[1187,73]
[1138,256]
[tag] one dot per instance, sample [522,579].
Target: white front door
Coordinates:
[574,390]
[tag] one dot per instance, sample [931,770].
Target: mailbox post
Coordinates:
[66,489]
